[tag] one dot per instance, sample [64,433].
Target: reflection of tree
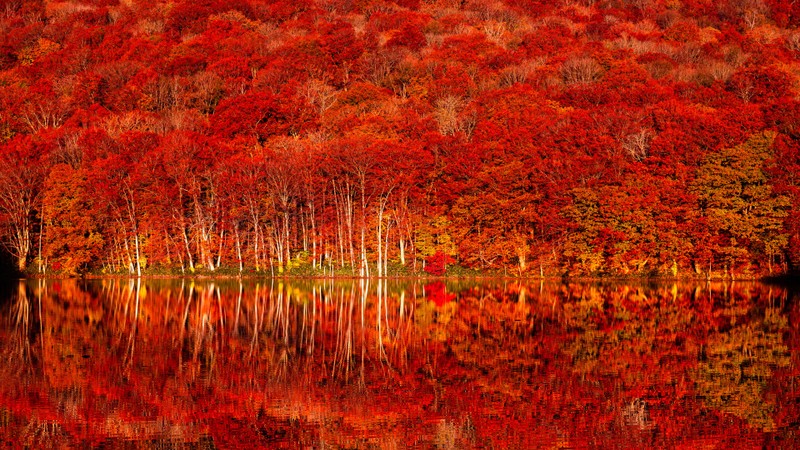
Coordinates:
[359,364]
[738,365]
[19,348]
[644,342]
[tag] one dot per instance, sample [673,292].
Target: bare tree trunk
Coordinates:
[312,218]
[339,231]
[41,233]
[286,246]
[386,251]
[138,258]
[130,205]
[188,249]
[256,229]
[131,267]
[238,248]
[349,223]
[180,260]
[364,262]
[379,239]
[381,254]
[364,271]
[304,231]
[219,252]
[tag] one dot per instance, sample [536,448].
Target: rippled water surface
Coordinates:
[377,364]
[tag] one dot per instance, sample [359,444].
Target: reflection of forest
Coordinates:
[395,364]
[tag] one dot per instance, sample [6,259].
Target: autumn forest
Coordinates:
[375,138]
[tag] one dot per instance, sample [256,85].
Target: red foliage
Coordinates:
[436,264]
[263,115]
[410,35]
[484,117]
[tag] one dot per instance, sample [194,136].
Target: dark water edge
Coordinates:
[8,270]
[436,363]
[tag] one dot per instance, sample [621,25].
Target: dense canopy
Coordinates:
[373,137]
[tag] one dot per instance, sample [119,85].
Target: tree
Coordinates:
[263,115]
[117,182]
[737,199]
[22,170]
[72,236]
[436,264]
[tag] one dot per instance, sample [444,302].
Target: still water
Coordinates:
[376,364]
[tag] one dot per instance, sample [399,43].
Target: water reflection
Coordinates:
[380,363]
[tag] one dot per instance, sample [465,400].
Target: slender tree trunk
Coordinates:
[379,239]
[347,230]
[304,231]
[386,251]
[204,226]
[339,234]
[238,248]
[382,255]
[131,267]
[277,246]
[21,245]
[188,249]
[314,236]
[349,217]
[116,253]
[364,262]
[256,229]
[131,210]
[41,234]
[413,252]
[138,258]
[180,260]
[264,257]
[219,252]
[286,246]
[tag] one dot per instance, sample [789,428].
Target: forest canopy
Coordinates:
[572,137]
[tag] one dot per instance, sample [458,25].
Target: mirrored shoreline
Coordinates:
[397,363]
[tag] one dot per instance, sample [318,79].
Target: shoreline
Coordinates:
[779,279]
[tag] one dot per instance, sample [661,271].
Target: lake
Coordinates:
[395,364]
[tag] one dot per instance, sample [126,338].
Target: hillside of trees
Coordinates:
[572,137]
